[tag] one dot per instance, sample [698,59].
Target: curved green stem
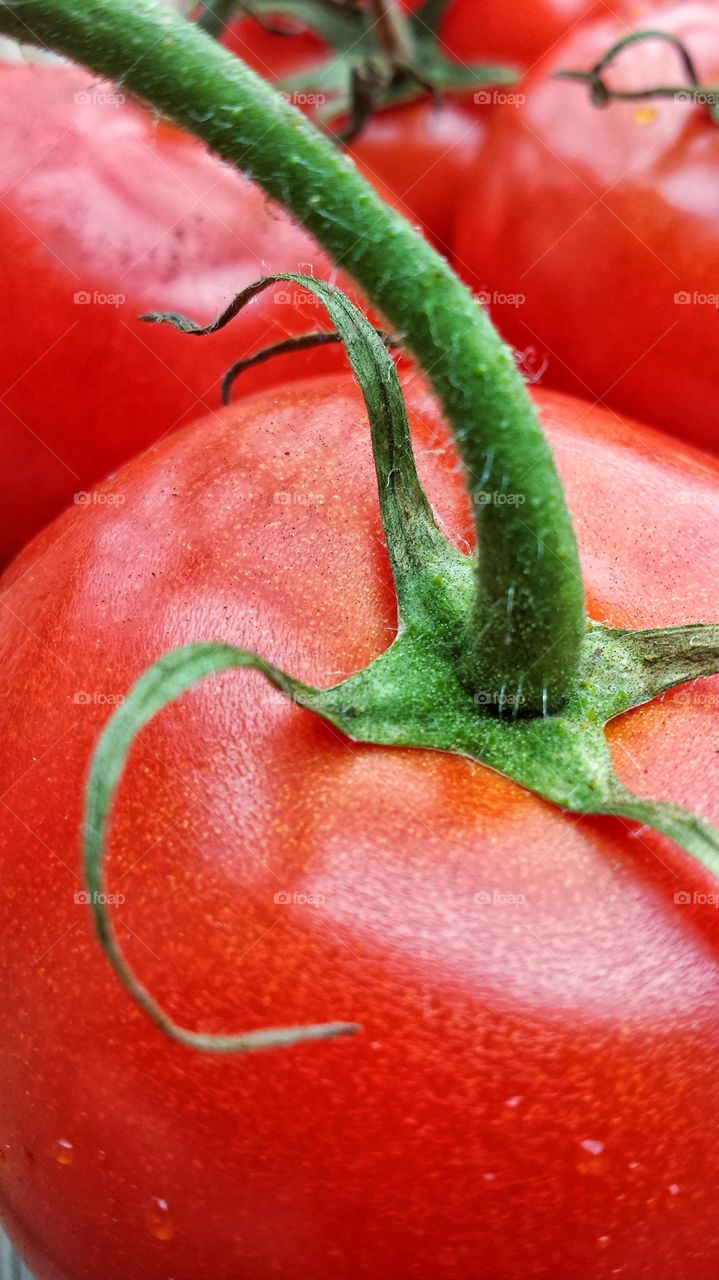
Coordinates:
[527,620]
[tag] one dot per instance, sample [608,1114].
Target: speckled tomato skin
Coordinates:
[102,200]
[534,1090]
[605,224]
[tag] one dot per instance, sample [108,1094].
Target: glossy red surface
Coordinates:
[533,1092]
[604,224]
[106,213]
[519,33]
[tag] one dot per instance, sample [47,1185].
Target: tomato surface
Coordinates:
[107,213]
[595,233]
[532,1093]
[489,30]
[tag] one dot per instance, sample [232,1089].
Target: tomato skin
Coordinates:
[271,55]
[424,154]
[530,1093]
[99,199]
[600,219]
[484,30]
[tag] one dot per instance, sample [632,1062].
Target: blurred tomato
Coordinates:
[595,232]
[107,212]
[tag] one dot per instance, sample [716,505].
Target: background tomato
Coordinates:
[106,213]
[523,33]
[595,233]
[533,1088]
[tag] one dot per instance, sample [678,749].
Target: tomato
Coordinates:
[273,55]
[424,154]
[483,29]
[108,213]
[595,232]
[532,1090]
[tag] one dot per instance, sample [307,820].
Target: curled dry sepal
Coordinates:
[602,94]
[414,694]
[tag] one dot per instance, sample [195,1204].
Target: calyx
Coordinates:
[380,56]
[416,694]
[602,94]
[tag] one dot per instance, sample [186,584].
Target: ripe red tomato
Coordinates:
[424,154]
[274,55]
[532,1091]
[108,213]
[483,29]
[600,227]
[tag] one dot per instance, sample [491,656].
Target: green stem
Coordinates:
[528,615]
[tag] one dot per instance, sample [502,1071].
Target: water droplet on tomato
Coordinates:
[603,1242]
[158,1219]
[63,1151]
[511,1106]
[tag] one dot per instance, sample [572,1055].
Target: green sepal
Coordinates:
[353,40]
[411,696]
[414,694]
[602,94]
[161,684]
[418,550]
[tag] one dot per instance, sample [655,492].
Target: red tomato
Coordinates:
[272,55]
[424,154]
[107,213]
[595,232]
[523,33]
[532,1091]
